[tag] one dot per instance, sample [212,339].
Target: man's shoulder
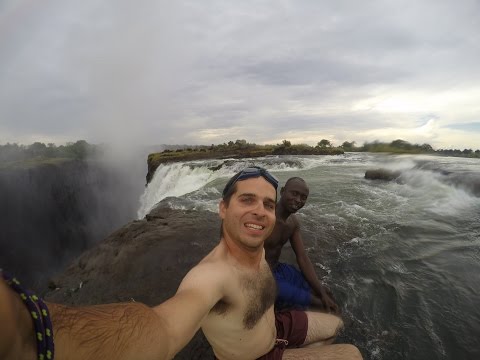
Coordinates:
[293,222]
[213,264]
[208,280]
[213,269]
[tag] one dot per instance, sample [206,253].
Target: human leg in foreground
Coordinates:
[322,331]
[330,352]
[308,335]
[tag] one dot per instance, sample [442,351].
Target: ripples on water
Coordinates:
[401,257]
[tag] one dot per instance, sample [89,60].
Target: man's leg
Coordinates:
[327,352]
[322,328]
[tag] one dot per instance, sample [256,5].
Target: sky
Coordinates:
[150,72]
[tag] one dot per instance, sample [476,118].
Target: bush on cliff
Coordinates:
[38,151]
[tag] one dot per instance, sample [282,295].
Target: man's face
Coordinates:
[294,195]
[249,217]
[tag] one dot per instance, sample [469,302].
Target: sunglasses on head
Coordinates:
[251,172]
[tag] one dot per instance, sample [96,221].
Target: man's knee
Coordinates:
[340,325]
[322,327]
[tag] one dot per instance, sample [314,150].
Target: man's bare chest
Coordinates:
[282,232]
[251,297]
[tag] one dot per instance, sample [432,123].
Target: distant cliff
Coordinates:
[234,151]
[51,211]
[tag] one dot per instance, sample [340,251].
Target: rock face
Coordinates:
[143,261]
[51,212]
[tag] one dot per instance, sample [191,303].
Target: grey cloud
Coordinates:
[321,72]
[159,71]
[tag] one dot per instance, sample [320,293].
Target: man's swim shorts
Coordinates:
[291,332]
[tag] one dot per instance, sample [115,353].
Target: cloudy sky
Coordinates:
[202,72]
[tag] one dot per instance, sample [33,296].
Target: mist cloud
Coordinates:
[153,72]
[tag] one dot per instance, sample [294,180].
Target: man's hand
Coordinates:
[328,302]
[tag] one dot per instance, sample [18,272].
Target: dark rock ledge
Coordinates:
[382,174]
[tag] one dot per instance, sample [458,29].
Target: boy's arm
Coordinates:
[306,267]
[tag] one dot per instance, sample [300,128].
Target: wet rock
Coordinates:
[382,174]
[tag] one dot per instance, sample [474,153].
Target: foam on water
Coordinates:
[173,180]
[179,179]
[430,191]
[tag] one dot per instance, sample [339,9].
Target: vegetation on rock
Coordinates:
[39,153]
[404,147]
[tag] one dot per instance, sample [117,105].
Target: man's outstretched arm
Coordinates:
[113,331]
[122,331]
[183,314]
[306,267]
[110,331]
[17,338]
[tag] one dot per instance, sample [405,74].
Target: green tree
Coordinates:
[348,146]
[241,143]
[51,150]
[37,149]
[426,148]
[79,149]
[286,143]
[324,143]
[400,144]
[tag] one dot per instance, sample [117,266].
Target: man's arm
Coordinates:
[126,331]
[135,331]
[123,331]
[306,267]
[17,338]
[197,294]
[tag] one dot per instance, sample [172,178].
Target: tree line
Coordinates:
[404,147]
[38,150]
[325,146]
[81,149]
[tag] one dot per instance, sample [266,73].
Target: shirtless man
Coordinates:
[295,288]
[229,294]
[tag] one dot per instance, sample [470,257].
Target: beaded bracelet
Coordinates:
[40,315]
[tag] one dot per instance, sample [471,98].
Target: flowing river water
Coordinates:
[401,257]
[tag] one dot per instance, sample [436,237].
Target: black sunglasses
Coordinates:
[251,172]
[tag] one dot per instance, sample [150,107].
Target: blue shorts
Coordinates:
[293,289]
